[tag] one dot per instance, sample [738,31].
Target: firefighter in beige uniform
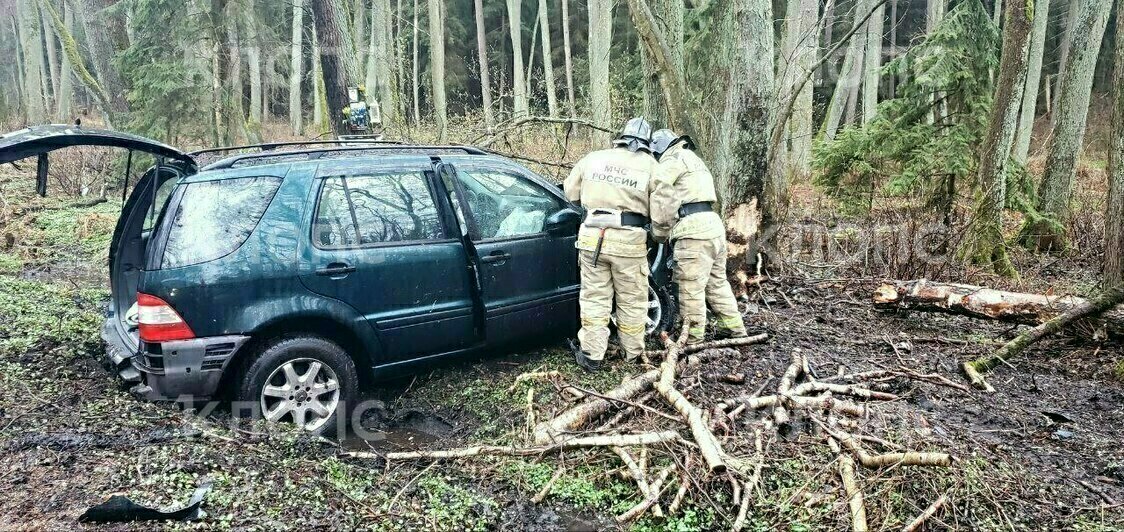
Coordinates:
[613,186]
[682,205]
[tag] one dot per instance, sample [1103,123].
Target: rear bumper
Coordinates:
[171,371]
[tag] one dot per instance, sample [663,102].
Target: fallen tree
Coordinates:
[976,368]
[985,303]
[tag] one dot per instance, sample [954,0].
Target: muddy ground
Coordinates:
[1045,452]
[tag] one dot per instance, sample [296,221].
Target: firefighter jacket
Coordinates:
[682,178]
[616,179]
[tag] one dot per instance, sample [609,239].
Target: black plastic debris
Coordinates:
[121,509]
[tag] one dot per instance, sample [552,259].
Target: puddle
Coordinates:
[403,430]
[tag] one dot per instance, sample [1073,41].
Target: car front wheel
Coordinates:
[304,380]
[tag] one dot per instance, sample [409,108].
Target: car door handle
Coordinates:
[335,269]
[495,256]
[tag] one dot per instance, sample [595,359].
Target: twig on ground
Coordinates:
[926,514]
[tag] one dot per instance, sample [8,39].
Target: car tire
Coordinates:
[312,382]
[669,307]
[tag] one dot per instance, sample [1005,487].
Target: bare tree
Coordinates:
[984,239]
[872,60]
[849,78]
[600,38]
[35,106]
[569,60]
[1114,207]
[296,48]
[337,57]
[668,16]
[75,62]
[253,61]
[1033,76]
[52,66]
[1064,46]
[437,65]
[485,75]
[547,60]
[417,70]
[380,59]
[65,95]
[515,25]
[798,57]
[1045,230]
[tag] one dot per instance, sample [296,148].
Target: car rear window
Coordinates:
[214,218]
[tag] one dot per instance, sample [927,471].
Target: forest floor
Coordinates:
[1043,453]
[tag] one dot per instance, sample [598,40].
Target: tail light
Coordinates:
[159,322]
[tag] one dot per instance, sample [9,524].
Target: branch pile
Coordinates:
[671,445]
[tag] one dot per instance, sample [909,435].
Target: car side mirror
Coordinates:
[563,223]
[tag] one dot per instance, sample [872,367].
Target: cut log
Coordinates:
[985,303]
[571,420]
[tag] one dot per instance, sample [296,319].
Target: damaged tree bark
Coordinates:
[985,303]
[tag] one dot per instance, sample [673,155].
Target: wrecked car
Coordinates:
[284,275]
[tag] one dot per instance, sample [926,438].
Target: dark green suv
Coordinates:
[280,275]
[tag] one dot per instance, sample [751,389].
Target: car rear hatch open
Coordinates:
[140,212]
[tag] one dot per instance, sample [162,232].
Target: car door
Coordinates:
[528,275]
[381,243]
[143,207]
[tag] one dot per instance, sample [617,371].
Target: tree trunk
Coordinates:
[359,36]
[35,106]
[1070,22]
[996,11]
[319,99]
[872,63]
[669,21]
[400,63]
[984,242]
[52,56]
[337,57]
[94,25]
[1047,230]
[600,39]
[798,57]
[65,95]
[848,79]
[417,70]
[236,113]
[437,65]
[673,86]
[380,83]
[1114,207]
[547,60]
[296,47]
[1033,77]
[569,59]
[746,208]
[253,60]
[515,25]
[485,74]
[934,13]
[985,303]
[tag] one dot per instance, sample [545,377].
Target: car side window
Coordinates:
[505,204]
[371,209]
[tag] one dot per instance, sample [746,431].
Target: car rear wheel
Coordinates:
[304,380]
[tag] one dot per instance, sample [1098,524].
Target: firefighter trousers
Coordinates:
[700,269]
[626,280]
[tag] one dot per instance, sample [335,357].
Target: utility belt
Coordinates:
[688,209]
[605,219]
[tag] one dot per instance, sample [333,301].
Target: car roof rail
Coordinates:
[349,150]
[270,146]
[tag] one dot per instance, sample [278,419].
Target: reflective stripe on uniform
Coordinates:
[609,247]
[630,329]
[595,322]
[697,332]
[730,322]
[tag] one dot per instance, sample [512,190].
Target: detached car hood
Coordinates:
[37,140]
